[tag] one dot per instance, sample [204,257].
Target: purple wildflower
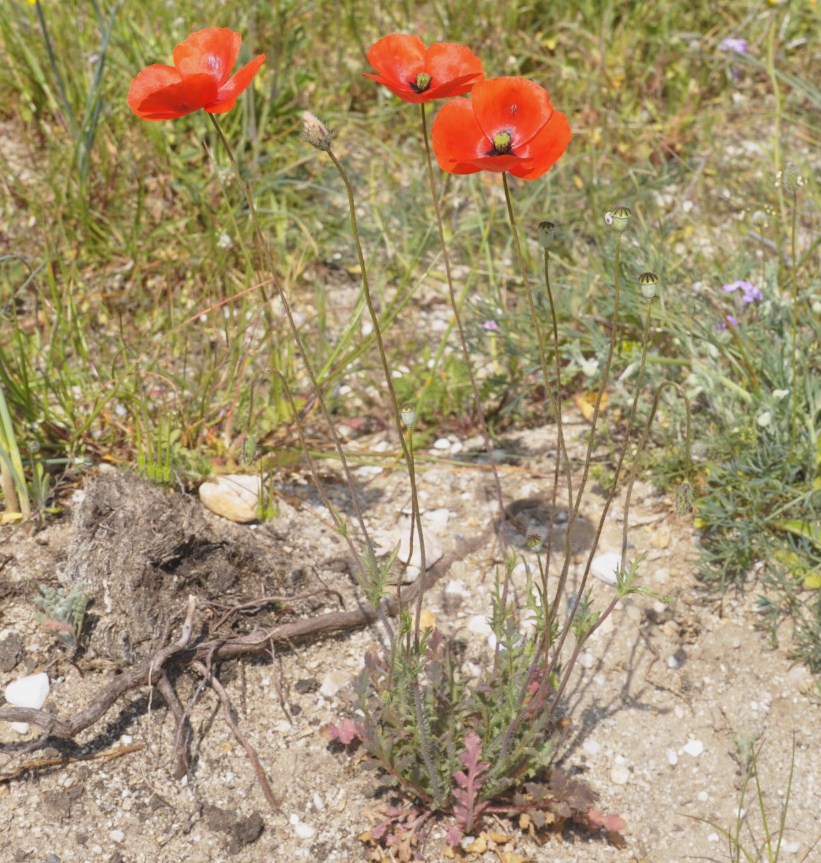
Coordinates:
[751,293]
[732,320]
[492,326]
[737,46]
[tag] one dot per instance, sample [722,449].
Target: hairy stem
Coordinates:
[474,387]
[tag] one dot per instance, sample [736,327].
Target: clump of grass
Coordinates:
[757,835]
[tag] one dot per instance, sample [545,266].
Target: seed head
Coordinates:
[648,282]
[534,542]
[316,133]
[548,234]
[407,414]
[618,218]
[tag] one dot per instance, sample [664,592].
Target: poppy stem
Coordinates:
[262,245]
[397,413]
[474,387]
[551,388]
[367,567]
[422,721]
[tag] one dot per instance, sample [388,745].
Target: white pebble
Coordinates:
[478,625]
[31,691]
[620,774]
[441,443]
[301,829]
[672,757]
[693,748]
[586,660]
[456,590]
[319,803]
[606,566]
[592,747]
[334,681]
[117,836]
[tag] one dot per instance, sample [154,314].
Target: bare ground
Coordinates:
[662,699]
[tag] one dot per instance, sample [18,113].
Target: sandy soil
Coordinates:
[665,696]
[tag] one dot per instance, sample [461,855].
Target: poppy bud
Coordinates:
[408,415]
[647,284]
[618,218]
[316,133]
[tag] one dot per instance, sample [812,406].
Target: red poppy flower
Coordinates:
[508,124]
[418,74]
[200,78]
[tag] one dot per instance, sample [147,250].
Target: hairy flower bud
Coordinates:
[648,282]
[316,133]
[618,218]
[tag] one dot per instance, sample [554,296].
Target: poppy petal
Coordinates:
[453,69]
[515,105]
[455,87]
[178,99]
[542,151]
[458,138]
[398,58]
[227,94]
[212,51]
[148,82]
[404,91]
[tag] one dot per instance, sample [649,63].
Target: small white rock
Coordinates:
[478,625]
[401,535]
[586,659]
[233,496]
[436,519]
[693,748]
[441,444]
[672,757]
[117,836]
[301,829]
[592,747]
[606,566]
[30,691]
[334,681]
[620,774]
